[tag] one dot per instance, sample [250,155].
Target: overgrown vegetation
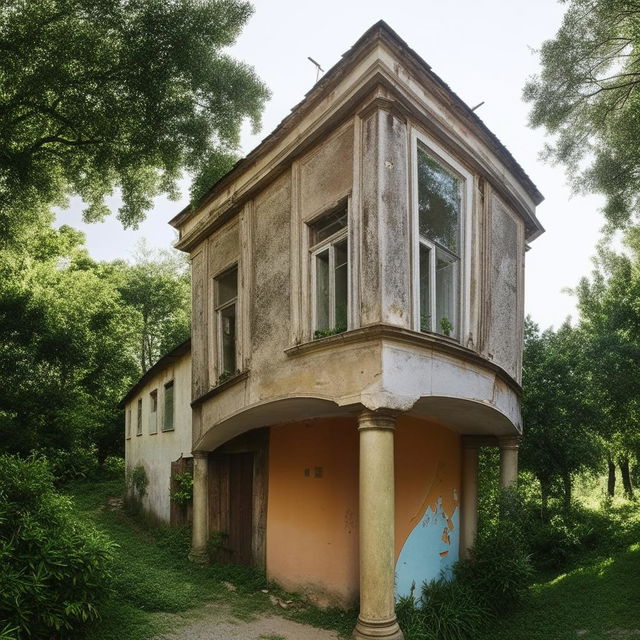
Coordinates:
[55,568]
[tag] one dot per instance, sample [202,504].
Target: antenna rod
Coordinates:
[318,67]
[477,106]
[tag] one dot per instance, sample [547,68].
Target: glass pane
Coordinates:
[446,291]
[322,291]
[139,423]
[153,412]
[341,258]
[227,287]
[228,331]
[328,225]
[168,406]
[425,294]
[438,202]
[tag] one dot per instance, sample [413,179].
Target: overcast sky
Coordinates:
[484,50]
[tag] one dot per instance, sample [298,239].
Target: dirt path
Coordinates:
[213,624]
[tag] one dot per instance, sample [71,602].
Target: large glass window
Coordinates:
[330,273]
[439,215]
[226,296]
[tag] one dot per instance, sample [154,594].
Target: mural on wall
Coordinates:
[430,550]
[427,503]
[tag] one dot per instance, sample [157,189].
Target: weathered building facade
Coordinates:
[357,334]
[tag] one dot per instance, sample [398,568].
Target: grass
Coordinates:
[596,602]
[156,587]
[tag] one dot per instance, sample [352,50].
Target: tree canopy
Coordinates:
[97,95]
[587,97]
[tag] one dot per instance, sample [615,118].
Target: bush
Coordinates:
[499,570]
[77,463]
[113,467]
[54,570]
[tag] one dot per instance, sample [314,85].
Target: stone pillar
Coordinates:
[377,617]
[469,498]
[200,529]
[508,460]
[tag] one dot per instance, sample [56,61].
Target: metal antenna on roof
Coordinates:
[318,67]
[477,106]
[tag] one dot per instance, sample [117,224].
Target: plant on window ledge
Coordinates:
[446,326]
[425,323]
[325,333]
[226,376]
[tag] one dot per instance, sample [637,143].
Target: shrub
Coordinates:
[113,466]
[184,488]
[138,481]
[499,570]
[77,463]
[54,570]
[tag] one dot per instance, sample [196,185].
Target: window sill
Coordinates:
[214,391]
[168,430]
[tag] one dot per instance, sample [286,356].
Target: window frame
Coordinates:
[139,417]
[463,279]
[329,244]
[169,384]
[127,421]
[153,414]
[217,310]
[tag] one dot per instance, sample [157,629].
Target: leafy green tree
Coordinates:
[561,438]
[158,287]
[609,304]
[587,97]
[104,94]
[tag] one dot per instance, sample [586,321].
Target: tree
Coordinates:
[158,288]
[588,98]
[104,94]
[610,318]
[560,418]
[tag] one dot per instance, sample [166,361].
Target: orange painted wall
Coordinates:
[312,523]
[427,469]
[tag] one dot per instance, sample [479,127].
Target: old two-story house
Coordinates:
[357,336]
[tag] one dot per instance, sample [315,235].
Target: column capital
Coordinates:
[509,442]
[200,455]
[379,419]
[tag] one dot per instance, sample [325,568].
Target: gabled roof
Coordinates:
[168,358]
[380,31]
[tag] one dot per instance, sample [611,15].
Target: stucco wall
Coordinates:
[155,452]
[312,531]
[427,470]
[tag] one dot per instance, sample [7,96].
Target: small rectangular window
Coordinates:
[439,231]
[153,411]
[330,273]
[226,303]
[167,424]
[127,420]
[139,422]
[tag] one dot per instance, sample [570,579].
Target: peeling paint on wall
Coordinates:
[430,550]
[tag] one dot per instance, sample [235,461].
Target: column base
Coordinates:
[386,629]
[199,556]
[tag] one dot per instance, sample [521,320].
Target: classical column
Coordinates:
[377,617]
[469,498]
[508,460]
[200,530]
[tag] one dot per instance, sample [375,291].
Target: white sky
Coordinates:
[482,48]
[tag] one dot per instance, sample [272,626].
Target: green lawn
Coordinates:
[155,585]
[598,602]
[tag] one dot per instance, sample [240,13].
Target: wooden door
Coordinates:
[240,507]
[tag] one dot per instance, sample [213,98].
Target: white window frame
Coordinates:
[218,309]
[329,243]
[462,283]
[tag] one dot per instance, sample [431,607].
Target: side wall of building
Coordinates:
[156,451]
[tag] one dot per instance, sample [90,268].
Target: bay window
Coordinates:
[439,204]
[330,273]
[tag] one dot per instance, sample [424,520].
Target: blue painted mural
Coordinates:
[429,551]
